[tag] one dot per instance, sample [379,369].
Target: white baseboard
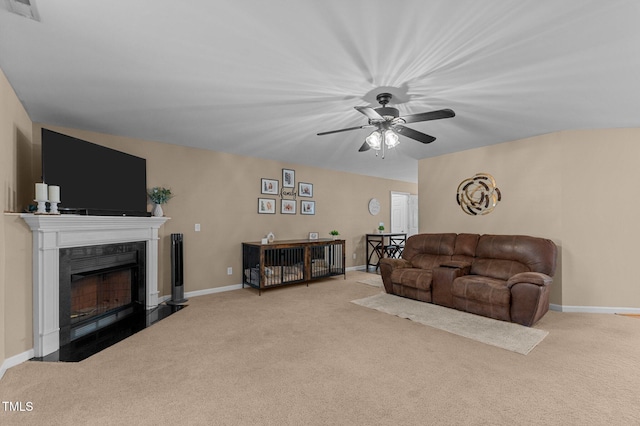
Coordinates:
[15,360]
[593,309]
[212,290]
[232,287]
[357,268]
[197,293]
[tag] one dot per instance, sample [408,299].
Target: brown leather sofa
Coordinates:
[505,277]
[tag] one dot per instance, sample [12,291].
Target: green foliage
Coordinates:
[380,228]
[334,232]
[159,195]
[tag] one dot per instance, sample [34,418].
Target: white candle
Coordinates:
[54,194]
[41,192]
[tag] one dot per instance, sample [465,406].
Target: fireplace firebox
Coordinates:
[99,285]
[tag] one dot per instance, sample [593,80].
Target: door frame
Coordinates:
[408,195]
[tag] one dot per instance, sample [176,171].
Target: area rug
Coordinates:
[375,281]
[505,335]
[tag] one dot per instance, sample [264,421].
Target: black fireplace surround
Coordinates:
[99,286]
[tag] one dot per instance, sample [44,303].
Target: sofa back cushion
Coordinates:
[465,247]
[502,256]
[429,261]
[427,251]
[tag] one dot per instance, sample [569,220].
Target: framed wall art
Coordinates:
[313,235]
[307,207]
[266,205]
[288,178]
[305,189]
[269,186]
[288,207]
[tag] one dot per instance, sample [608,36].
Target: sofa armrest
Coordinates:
[529,297]
[536,278]
[442,281]
[395,263]
[387,266]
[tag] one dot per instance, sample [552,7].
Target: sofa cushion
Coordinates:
[412,277]
[497,268]
[482,289]
[521,253]
[431,244]
[465,247]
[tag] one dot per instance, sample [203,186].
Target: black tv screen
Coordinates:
[94,179]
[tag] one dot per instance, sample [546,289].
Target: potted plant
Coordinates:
[380,229]
[334,234]
[158,196]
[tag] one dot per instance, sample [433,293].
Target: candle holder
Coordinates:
[42,206]
[53,207]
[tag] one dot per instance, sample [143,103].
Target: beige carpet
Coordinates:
[512,337]
[303,355]
[374,281]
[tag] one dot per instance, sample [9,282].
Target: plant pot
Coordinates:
[157,210]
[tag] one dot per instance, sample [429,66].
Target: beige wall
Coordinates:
[220,192]
[15,170]
[577,188]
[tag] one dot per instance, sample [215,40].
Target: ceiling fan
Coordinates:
[389,124]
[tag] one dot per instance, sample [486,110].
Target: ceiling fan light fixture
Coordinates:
[389,124]
[391,139]
[374,140]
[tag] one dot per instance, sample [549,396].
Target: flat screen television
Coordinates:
[93,179]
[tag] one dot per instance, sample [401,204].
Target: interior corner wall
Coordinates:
[576,188]
[15,177]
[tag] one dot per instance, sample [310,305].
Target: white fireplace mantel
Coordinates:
[53,232]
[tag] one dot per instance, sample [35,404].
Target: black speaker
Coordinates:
[177,270]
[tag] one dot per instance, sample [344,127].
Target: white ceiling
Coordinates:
[261,78]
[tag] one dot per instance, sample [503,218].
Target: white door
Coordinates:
[413,215]
[399,212]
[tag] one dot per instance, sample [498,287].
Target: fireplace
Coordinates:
[99,285]
[53,235]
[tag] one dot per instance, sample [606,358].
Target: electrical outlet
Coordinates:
[197,227]
[229,270]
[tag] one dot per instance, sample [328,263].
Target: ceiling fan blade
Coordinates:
[425,116]
[365,147]
[371,113]
[345,130]
[414,134]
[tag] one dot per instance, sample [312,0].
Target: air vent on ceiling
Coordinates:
[26,8]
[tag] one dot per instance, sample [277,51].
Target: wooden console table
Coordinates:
[292,261]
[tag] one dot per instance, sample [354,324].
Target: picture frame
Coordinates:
[288,206]
[266,205]
[313,235]
[305,189]
[288,178]
[269,186]
[307,207]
